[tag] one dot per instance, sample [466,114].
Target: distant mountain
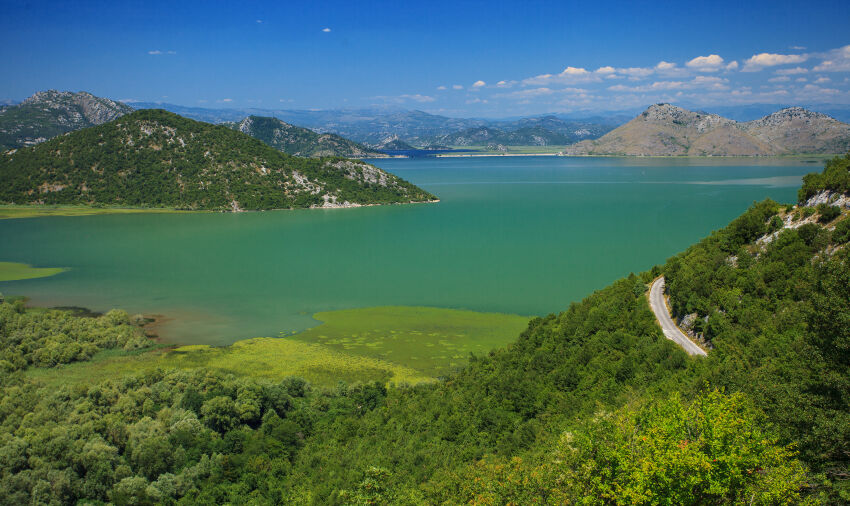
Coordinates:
[667,130]
[300,141]
[50,113]
[366,126]
[373,127]
[159,159]
[393,143]
[544,131]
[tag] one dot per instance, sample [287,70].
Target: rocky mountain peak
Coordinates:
[789,114]
[671,114]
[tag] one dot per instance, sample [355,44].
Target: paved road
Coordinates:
[662,314]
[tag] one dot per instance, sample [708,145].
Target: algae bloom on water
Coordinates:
[12,271]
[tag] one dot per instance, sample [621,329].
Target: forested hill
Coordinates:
[159,159]
[298,141]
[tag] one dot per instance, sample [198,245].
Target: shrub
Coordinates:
[841,234]
[828,213]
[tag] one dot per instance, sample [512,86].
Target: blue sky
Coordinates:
[456,58]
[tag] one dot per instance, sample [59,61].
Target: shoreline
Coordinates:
[13,212]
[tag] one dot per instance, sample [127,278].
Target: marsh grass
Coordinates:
[433,341]
[35,211]
[395,344]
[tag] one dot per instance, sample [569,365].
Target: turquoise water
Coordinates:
[523,235]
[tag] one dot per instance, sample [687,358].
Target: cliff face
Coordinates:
[47,114]
[667,130]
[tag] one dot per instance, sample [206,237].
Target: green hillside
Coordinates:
[590,406]
[156,158]
[300,141]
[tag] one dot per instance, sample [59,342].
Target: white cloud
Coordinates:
[457,87]
[158,52]
[259,21]
[799,80]
[441,87]
[326,30]
[533,92]
[733,65]
[710,63]
[574,71]
[478,84]
[759,61]
[636,72]
[418,98]
[779,79]
[568,76]
[797,48]
[837,60]
[790,72]
[227,100]
[664,66]
[606,70]
[155,51]
[505,84]
[701,82]
[822,79]
[817,90]
[476,100]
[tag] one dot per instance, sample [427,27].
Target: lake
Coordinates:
[525,235]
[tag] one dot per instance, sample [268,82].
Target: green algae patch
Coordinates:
[432,341]
[36,211]
[12,271]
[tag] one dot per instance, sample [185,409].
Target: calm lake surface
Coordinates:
[524,235]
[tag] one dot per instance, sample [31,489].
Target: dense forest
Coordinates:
[592,405]
[154,158]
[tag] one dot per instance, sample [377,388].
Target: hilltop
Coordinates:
[47,114]
[667,130]
[159,159]
[298,141]
[393,143]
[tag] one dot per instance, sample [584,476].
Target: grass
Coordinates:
[388,344]
[262,357]
[11,271]
[433,341]
[35,211]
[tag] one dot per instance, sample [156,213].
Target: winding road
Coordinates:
[662,314]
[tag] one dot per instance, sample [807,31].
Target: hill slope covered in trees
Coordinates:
[592,405]
[156,158]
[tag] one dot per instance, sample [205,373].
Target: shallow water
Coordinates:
[523,235]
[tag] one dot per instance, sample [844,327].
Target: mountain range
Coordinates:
[155,158]
[668,130]
[378,126]
[47,114]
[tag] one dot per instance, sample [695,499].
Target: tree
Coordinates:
[709,451]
